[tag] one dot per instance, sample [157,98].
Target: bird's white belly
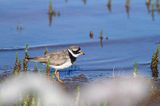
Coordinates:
[63,66]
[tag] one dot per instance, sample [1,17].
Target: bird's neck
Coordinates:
[73,59]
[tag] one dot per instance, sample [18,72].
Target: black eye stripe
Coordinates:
[76,52]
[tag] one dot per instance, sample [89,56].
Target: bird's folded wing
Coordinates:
[58,58]
[55,58]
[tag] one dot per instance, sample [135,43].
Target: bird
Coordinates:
[60,59]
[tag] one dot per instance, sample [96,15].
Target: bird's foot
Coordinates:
[61,81]
[58,77]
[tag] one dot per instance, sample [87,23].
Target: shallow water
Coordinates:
[132,37]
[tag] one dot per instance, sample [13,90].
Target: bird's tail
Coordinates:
[31,58]
[38,59]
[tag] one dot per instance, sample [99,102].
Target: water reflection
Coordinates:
[153,6]
[148,3]
[153,14]
[107,38]
[66,1]
[50,16]
[127,7]
[69,71]
[19,27]
[51,12]
[109,5]
[101,39]
[91,35]
[158,6]
[84,2]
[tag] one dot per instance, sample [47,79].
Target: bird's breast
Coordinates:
[63,66]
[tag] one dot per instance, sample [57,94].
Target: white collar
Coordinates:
[74,55]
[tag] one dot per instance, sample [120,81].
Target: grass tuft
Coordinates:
[17,66]
[48,70]
[25,60]
[46,51]
[154,64]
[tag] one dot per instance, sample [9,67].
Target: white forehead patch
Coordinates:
[74,48]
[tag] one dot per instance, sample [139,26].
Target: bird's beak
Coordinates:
[82,53]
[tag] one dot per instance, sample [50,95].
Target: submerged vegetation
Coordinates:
[154,64]
[101,38]
[48,70]
[25,60]
[127,6]
[153,6]
[51,12]
[19,27]
[17,66]
[30,99]
[135,70]
[50,9]
[46,51]
[109,5]
[91,35]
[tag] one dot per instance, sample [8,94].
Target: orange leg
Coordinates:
[58,76]
[48,74]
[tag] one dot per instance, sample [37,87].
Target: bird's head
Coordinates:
[75,51]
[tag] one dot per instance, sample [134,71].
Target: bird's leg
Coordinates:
[58,76]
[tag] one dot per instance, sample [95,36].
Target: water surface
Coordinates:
[133,36]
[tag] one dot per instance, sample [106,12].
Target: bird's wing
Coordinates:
[57,58]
